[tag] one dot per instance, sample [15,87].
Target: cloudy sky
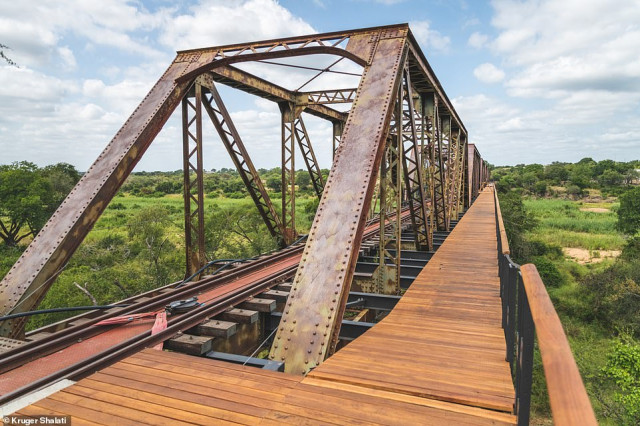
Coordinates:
[533,81]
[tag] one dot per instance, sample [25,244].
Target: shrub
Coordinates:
[549,273]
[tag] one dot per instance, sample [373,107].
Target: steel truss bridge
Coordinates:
[407,240]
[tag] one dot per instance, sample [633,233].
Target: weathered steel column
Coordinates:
[387,274]
[288,171]
[412,166]
[193,192]
[337,135]
[311,321]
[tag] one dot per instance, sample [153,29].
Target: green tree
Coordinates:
[303,180]
[557,172]
[610,177]
[517,221]
[629,212]
[26,201]
[148,229]
[274,182]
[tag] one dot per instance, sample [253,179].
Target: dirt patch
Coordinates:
[595,209]
[584,256]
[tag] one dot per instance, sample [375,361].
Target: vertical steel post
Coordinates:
[337,136]
[193,180]
[387,275]
[412,166]
[288,171]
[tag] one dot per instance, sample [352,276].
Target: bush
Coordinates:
[117,206]
[629,212]
[615,295]
[549,273]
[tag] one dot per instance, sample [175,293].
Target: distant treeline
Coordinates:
[217,183]
[572,179]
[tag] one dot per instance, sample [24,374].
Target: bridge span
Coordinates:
[400,306]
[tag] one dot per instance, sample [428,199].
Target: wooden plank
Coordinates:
[277,295]
[216,328]
[242,316]
[443,341]
[189,344]
[258,304]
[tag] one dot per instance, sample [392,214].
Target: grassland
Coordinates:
[562,223]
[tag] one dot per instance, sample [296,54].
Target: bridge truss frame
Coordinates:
[425,151]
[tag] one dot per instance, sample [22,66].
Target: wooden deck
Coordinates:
[437,358]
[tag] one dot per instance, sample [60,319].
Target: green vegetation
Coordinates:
[138,242]
[568,234]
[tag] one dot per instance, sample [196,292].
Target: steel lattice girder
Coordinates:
[338,225]
[193,181]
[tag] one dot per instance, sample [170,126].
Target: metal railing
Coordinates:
[526,311]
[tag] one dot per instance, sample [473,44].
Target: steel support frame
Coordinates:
[337,135]
[309,157]
[412,166]
[232,141]
[387,274]
[288,170]
[320,289]
[193,189]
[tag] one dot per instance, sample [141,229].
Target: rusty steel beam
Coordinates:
[412,166]
[387,274]
[310,324]
[309,156]
[249,83]
[358,48]
[437,159]
[230,137]
[337,136]
[193,188]
[425,80]
[321,97]
[289,114]
[29,279]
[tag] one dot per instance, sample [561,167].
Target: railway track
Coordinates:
[77,347]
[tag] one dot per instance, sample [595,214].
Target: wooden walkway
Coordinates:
[437,358]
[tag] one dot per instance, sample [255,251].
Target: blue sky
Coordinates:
[533,81]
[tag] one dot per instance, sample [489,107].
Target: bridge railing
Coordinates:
[527,311]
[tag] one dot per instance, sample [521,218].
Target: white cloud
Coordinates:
[570,45]
[573,81]
[235,22]
[488,73]
[477,40]
[428,38]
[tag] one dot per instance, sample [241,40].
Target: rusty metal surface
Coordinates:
[240,156]
[339,96]
[193,188]
[249,83]
[310,323]
[309,157]
[288,171]
[412,164]
[29,279]
[27,282]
